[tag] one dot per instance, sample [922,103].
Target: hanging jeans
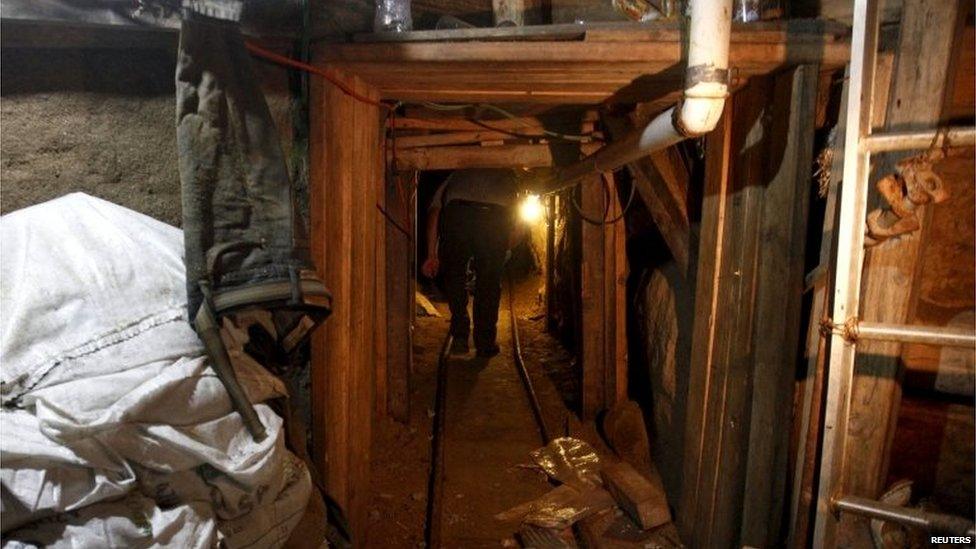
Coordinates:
[245,246]
[480,231]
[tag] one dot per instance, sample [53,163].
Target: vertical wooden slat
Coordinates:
[620,273]
[399,293]
[592,287]
[746,314]
[345,160]
[714,205]
[778,302]
[380,328]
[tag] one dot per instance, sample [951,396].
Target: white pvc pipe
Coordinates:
[698,112]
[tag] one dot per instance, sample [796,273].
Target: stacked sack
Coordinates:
[114,431]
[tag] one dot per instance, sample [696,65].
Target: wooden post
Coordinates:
[593,289]
[604,289]
[747,302]
[345,166]
[399,293]
[917,92]
[778,303]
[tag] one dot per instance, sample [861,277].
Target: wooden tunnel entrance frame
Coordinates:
[361,357]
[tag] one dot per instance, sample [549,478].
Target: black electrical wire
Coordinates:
[568,137]
[606,202]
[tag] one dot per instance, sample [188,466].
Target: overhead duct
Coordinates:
[698,111]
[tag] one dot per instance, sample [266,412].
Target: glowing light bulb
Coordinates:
[530,210]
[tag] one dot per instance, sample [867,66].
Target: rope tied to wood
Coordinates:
[848,330]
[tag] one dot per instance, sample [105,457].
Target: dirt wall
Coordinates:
[102,121]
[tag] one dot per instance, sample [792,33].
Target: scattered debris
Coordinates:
[644,502]
[570,461]
[590,491]
[424,306]
[624,430]
[544,538]
[560,507]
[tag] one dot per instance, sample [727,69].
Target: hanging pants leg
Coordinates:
[245,246]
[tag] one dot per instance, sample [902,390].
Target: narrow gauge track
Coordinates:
[435,478]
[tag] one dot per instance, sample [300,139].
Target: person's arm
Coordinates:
[431,264]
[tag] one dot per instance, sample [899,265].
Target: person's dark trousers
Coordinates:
[472,229]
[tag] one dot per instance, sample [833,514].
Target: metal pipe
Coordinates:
[905,141]
[930,522]
[931,335]
[697,113]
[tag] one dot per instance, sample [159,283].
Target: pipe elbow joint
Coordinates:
[696,116]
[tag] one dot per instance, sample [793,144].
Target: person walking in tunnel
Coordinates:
[473,213]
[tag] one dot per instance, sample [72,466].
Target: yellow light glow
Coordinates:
[530,210]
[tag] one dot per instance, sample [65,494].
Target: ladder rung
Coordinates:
[931,522]
[905,141]
[932,335]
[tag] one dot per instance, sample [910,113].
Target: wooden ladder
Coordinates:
[846,329]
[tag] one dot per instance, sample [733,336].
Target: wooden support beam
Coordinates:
[665,198]
[400,296]
[915,103]
[593,363]
[780,281]
[747,302]
[521,124]
[603,288]
[345,164]
[452,158]
[456,138]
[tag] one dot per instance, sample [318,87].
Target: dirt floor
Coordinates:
[489,433]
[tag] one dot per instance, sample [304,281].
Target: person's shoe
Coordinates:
[459,346]
[489,351]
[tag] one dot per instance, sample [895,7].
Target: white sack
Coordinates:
[114,393]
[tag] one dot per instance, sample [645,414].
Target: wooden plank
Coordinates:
[667,205]
[614,290]
[456,138]
[377,179]
[345,161]
[921,66]
[736,288]
[620,31]
[365,134]
[766,56]
[778,302]
[455,157]
[399,291]
[645,502]
[521,124]
[726,420]
[593,291]
[715,200]
[619,306]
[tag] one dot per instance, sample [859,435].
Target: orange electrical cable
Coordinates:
[288,61]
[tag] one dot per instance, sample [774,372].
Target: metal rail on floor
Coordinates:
[520,366]
[435,476]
